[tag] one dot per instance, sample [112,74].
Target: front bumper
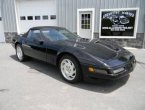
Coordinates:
[128,67]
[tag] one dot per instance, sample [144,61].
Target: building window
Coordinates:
[30,17]
[22,18]
[45,17]
[53,17]
[85,21]
[0,18]
[37,17]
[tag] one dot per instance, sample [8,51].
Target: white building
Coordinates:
[17,16]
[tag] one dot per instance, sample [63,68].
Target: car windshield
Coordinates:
[59,34]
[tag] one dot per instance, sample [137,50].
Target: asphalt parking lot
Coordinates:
[35,85]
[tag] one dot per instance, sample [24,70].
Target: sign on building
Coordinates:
[118,23]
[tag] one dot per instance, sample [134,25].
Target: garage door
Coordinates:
[36,13]
[2,38]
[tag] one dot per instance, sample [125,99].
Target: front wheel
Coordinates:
[19,53]
[70,69]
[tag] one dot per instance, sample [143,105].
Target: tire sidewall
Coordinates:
[18,45]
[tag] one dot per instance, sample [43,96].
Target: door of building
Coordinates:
[85,23]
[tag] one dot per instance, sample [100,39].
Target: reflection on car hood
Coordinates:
[103,50]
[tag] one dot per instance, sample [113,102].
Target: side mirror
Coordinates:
[41,42]
[38,41]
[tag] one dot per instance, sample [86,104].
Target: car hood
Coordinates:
[97,48]
[106,51]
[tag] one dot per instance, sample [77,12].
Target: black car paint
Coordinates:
[89,53]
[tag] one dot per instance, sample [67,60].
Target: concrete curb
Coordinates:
[131,48]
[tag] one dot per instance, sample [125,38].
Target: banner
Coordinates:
[119,23]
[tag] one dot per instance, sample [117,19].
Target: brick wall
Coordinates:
[137,43]
[9,35]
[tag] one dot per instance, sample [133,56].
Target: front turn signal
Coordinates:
[91,69]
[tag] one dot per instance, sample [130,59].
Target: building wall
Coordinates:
[67,16]
[67,11]
[9,18]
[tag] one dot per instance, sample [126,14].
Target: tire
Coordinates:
[19,53]
[70,69]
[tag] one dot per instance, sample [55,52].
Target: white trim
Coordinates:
[93,19]
[16,15]
[121,37]
[3,40]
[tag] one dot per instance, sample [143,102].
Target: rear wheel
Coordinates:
[70,69]
[19,53]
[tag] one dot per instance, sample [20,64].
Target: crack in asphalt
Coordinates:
[4,90]
[141,64]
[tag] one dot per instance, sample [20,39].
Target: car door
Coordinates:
[51,36]
[34,45]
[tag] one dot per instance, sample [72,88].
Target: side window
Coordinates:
[29,34]
[49,34]
[52,35]
[34,35]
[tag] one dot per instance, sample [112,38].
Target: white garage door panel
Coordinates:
[36,8]
[2,38]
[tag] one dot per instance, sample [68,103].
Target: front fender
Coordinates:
[83,57]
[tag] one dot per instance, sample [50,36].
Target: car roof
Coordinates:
[46,27]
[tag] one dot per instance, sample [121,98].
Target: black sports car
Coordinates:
[76,57]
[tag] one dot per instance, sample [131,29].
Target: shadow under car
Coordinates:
[95,85]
